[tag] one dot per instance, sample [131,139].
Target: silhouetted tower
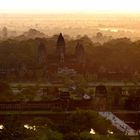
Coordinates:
[42,55]
[99,35]
[4,33]
[60,49]
[80,55]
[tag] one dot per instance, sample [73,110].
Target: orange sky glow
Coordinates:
[69,6]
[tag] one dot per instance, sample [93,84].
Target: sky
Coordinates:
[69,6]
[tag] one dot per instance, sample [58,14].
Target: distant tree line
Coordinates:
[116,56]
[75,127]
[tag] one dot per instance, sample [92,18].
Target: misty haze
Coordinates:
[69,70]
[115,25]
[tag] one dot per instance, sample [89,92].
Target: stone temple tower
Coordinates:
[80,55]
[41,55]
[60,49]
[4,33]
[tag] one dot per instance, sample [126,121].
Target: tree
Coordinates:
[71,136]
[85,120]
[87,136]
[13,129]
[29,93]
[5,92]
[48,134]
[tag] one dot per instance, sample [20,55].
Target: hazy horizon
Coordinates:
[70,6]
[111,17]
[74,24]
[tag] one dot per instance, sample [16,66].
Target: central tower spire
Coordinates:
[60,49]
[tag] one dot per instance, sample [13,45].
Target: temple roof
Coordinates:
[60,41]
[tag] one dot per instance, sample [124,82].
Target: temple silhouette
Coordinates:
[43,66]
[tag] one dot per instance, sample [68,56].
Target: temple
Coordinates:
[60,50]
[44,65]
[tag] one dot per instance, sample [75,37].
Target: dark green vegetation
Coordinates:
[5,92]
[115,98]
[119,56]
[74,127]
